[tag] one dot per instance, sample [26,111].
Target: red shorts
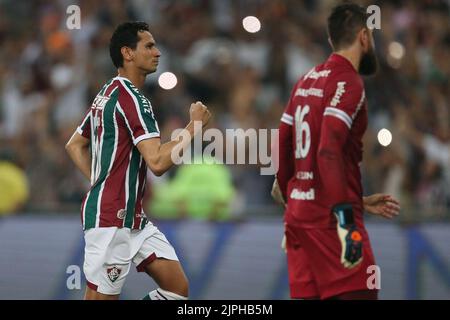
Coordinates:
[314,264]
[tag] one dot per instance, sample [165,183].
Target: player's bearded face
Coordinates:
[368,64]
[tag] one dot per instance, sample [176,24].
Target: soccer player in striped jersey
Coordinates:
[116,142]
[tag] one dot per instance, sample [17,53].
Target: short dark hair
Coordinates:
[125,35]
[344,23]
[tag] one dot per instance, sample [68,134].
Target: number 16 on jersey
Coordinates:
[302,131]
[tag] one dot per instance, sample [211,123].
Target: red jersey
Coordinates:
[320,144]
[119,118]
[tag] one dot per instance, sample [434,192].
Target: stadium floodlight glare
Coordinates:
[384,137]
[396,50]
[167,80]
[251,24]
[395,54]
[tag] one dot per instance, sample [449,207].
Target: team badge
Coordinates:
[121,213]
[113,273]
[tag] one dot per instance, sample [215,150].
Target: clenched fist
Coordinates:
[199,112]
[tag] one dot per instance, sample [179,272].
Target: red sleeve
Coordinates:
[286,161]
[84,128]
[345,100]
[286,167]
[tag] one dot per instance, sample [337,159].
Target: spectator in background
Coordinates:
[14,190]
[41,62]
[202,191]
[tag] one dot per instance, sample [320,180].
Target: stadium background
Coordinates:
[228,235]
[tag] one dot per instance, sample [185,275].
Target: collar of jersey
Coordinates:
[337,58]
[123,78]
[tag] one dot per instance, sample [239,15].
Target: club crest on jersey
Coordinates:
[121,213]
[113,273]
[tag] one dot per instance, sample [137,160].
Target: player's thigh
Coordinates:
[94,295]
[323,251]
[158,258]
[107,260]
[169,275]
[302,284]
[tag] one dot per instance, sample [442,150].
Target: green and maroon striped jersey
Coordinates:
[119,118]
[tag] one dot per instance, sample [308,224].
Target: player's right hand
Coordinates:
[349,235]
[199,112]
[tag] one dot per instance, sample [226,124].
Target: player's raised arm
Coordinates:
[159,156]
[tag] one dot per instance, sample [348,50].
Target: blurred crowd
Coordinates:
[49,76]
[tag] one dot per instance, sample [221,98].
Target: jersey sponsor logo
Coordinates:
[147,109]
[121,213]
[313,74]
[340,90]
[145,103]
[302,195]
[305,175]
[134,88]
[140,215]
[363,96]
[113,273]
[309,92]
[100,102]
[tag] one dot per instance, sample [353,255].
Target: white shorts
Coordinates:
[109,252]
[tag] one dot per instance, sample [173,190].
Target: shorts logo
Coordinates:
[302,195]
[113,273]
[121,213]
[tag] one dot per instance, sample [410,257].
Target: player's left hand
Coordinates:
[382,205]
[349,236]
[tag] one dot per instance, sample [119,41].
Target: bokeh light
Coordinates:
[384,137]
[251,24]
[167,80]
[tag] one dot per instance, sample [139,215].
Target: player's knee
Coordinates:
[178,285]
[186,287]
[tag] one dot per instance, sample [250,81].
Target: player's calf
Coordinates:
[170,277]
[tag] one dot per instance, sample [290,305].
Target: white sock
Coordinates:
[160,294]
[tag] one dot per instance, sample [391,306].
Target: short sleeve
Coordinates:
[137,113]
[288,113]
[84,128]
[345,99]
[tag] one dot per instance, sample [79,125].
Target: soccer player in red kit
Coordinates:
[320,151]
